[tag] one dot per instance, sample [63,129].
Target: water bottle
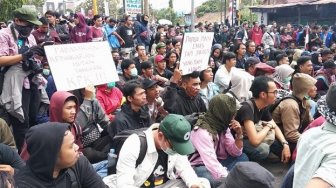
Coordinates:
[112,158]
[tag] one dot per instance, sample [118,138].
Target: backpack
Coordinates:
[192,118]
[118,141]
[301,109]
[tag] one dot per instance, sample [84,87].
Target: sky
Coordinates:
[179,5]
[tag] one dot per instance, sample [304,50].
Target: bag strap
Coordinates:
[73,178]
[250,103]
[143,148]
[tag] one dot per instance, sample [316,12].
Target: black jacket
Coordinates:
[9,156]
[127,119]
[176,101]
[44,142]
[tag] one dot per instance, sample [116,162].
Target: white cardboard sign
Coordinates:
[75,66]
[195,51]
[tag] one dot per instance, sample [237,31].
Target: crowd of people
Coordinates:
[263,88]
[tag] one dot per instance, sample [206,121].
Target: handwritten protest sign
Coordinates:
[75,66]
[133,7]
[195,51]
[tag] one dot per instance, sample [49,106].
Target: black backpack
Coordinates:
[118,141]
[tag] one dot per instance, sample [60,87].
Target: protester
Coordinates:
[292,114]
[10,161]
[111,35]
[316,149]
[44,35]
[109,97]
[96,29]
[81,32]
[184,99]
[55,160]
[325,76]
[20,100]
[258,124]
[62,32]
[129,72]
[208,88]
[127,34]
[217,150]
[168,145]
[223,75]
[134,113]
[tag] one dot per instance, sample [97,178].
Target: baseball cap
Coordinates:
[159,58]
[27,14]
[160,45]
[147,83]
[177,130]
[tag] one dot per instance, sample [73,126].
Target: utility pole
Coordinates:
[146,7]
[94,6]
[221,10]
[192,16]
[224,10]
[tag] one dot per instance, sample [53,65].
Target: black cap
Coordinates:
[147,83]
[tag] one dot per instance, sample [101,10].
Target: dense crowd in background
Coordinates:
[264,87]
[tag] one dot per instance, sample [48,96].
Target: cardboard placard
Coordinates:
[75,66]
[195,51]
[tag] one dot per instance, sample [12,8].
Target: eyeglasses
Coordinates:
[275,92]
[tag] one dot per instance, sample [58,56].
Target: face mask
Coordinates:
[287,80]
[46,72]
[111,26]
[111,85]
[134,72]
[24,31]
[168,150]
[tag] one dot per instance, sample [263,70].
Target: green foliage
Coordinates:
[114,11]
[167,13]
[171,4]
[209,6]
[37,3]
[7,7]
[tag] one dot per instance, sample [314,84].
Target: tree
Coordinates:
[171,4]
[37,3]
[7,7]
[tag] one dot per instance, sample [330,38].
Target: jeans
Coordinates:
[229,163]
[101,168]
[289,178]
[262,151]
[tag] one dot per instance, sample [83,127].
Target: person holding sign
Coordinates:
[184,99]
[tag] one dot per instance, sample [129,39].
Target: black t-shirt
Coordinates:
[126,34]
[159,174]
[167,73]
[246,113]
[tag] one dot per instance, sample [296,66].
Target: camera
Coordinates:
[31,64]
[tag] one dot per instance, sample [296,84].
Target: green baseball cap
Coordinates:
[27,14]
[177,130]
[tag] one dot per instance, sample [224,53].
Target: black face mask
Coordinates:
[24,31]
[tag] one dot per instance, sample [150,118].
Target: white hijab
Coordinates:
[281,73]
[241,82]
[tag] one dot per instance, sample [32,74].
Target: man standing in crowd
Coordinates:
[81,32]
[127,34]
[44,34]
[61,30]
[16,42]
[142,56]
[256,34]
[112,36]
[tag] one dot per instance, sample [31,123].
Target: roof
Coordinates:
[294,3]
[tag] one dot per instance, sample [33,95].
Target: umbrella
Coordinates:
[165,22]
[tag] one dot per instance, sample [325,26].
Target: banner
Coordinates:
[133,7]
[195,51]
[75,66]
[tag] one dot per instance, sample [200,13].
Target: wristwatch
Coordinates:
[241,137]
[284,142]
